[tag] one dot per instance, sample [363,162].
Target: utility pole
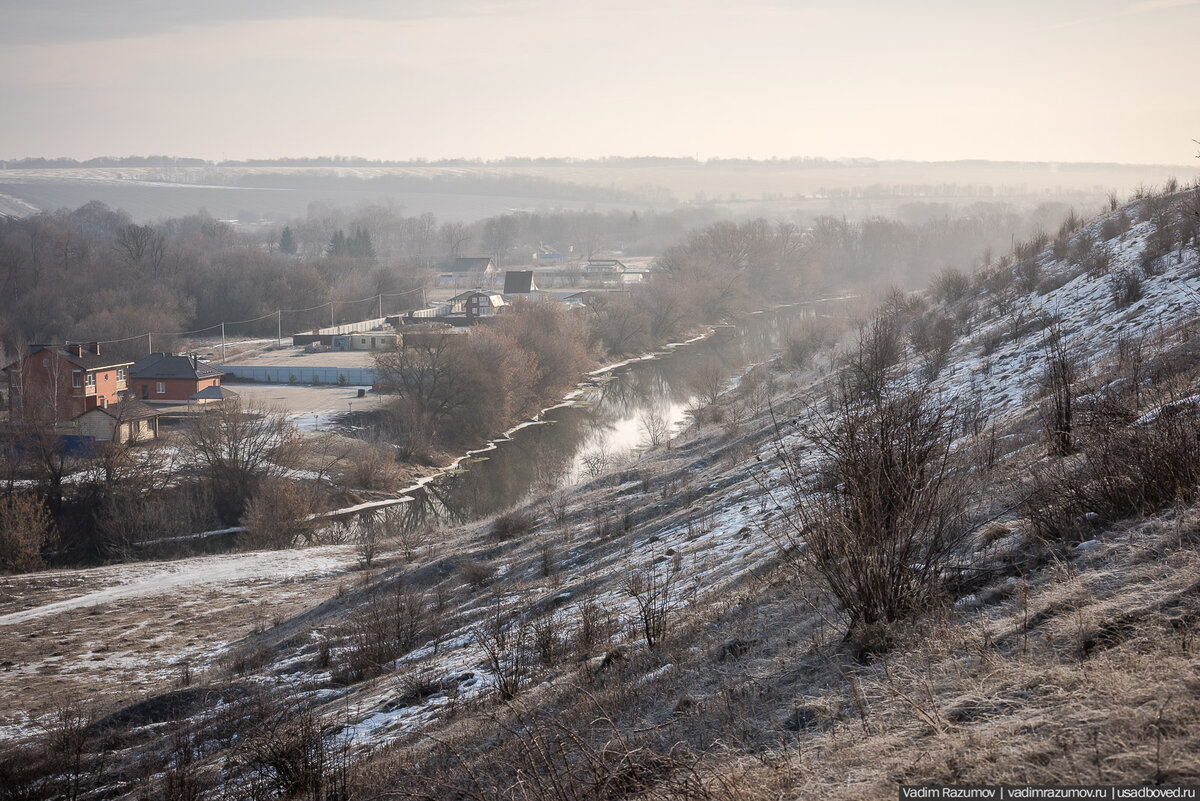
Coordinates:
[150,341]
[331,314]
[222,342]
[278,327]
[380,304]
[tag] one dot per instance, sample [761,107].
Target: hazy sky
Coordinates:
[1094,80]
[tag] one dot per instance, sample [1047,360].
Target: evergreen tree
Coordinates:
[338,245]
[360,246]
[287,242]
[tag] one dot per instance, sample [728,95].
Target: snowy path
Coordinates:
[121,582]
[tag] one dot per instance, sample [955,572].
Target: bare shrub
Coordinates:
[879,348]
[655,427]
[25,528]
[595,462]
[1097,262]
[1125,286]
[1057,380]
[286,752]
[881,514]
[478,574]
[1159,243]
[652,589]
[279,515]
[388,625]
[806,338]
[708,381]
[1114,226]
[368,538]
[950,284]
[512,524]
[503,636]
[371,468]
[1128,466]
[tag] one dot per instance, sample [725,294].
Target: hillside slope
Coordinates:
[658,632]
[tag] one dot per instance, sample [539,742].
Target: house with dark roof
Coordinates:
[128,420]
[53,385]
[482,304]
[518,282]
[171,377]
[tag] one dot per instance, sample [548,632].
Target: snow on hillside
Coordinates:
[714,533]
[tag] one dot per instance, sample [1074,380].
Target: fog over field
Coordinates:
[1079,80]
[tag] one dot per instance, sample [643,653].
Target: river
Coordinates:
[610,419]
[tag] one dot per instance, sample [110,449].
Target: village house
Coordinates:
[53,385]
[478,304]
[129,420]
[469,271]
[172,378]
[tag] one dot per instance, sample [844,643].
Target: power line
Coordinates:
[377,296]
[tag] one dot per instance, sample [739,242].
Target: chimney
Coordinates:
[94,347]
[195,362]
[75,349]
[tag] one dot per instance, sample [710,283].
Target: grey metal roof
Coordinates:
[170,365]
[214,393]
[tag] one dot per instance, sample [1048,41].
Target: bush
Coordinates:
[1125,287]
[279,515]
[25,528]
[1097,262]
[1114,226]
[512,524]
[1129,466]
[950,285]
[882,512]
[372,468]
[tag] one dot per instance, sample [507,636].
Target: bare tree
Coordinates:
[238,446]
[454,236]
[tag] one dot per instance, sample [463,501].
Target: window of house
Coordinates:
[120,373]
[90,380]
[45,362]
[160,388]
[77,378]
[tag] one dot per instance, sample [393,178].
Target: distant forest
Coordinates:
[92,273]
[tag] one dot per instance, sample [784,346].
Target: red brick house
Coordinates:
[53,385]
[168,377]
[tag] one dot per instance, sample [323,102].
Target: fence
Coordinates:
[357,376]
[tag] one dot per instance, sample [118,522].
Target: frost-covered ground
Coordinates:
[720,534]
[119,632]
[701,513]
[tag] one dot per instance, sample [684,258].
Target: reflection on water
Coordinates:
[632,407]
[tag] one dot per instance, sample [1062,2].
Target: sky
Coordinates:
[928,80]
